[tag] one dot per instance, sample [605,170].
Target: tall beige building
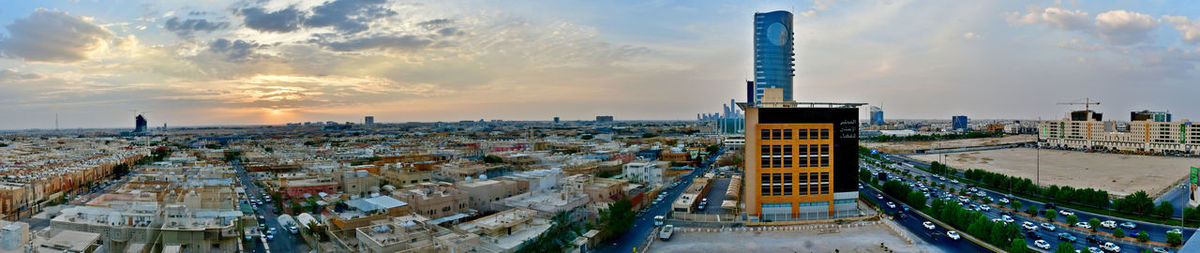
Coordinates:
[1086,130]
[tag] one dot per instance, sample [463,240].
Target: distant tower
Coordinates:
[369,120]
[773,54]
[139,124]
[555,120]
[876,115]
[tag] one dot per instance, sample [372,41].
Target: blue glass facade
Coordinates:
[773,55]
[959,122]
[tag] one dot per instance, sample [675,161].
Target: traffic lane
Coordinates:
[1156,232]
[644,225]
[914,224]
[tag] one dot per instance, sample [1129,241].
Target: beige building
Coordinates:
[434,200]
[484,194]
[509,229]
[415,236]
[402,174]
[359,182]
[1084,130]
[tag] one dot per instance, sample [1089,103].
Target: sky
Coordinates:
[219,62]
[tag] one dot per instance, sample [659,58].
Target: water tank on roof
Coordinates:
[468,179]
[482,177]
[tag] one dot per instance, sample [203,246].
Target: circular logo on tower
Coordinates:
[777,34]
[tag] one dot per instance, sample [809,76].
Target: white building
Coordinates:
[644,172]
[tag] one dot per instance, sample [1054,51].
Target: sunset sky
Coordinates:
[216,62]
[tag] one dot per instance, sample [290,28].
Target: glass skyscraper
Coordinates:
[773,56]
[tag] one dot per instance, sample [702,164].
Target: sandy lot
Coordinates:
[861,239]
[1118,174]
[909,146]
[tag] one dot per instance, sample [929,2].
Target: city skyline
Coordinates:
[238,63]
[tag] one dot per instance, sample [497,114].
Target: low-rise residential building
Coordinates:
[434,200]
[508,230]
[483,194]
[415,236]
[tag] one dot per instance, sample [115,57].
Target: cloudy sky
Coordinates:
[218,62]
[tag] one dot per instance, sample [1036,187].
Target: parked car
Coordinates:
[928,225]
[953,235]
[1042,244]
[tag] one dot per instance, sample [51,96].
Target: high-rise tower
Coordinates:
[773,55]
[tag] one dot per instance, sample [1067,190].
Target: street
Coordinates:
[283,240]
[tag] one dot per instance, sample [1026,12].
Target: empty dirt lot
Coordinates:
[909,146]
[862,239]
[1118,174]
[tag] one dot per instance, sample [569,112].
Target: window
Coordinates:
[787,134]
[824,161]
[812,158]
[765,134]
[776,134]
[824,134]
[765,162]
[802,134]
[787,184]
[824,182]
[825,149]
[787,156]
[766,185]
[802,181]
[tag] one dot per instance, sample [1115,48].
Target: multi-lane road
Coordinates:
[1156,232]
[282,241]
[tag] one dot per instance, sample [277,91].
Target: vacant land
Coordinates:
[909,146]
[861,239]
[1118,174]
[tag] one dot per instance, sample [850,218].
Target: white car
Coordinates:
[953,235]
[878,196]
[1029,226]
[1004,200]
[1007,218]
[1042,244]
[1109,246]
[891,205]
[1109,224]
[1083,225]
[1065,213]
[985,208]
[928,225]
[1048,226]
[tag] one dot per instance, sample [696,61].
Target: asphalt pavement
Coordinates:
[283,240]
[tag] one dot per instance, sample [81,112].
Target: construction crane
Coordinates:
[1087,103]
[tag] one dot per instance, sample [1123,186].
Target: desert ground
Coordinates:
[1118,174]
[909,146]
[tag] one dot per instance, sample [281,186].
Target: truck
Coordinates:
[666,232]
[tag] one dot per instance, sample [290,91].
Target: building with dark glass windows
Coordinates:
[773,56]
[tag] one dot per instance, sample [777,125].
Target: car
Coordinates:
[1067,237]
[997,220]
[1109,246]
[985,208]
[953,235]
[1029,226]
[1004,200]
[905,208]
[1108,224]
[972,207]
[963,199]
[701,208]
[1094,250]
[878,196]
[270,236]
[891,205]
[954,181]
[1128,225]
[1049,205]
[1007,219]
[1048,226]
[1042,244]
[1093,239]
[1065,213]
[1174,231]
[1083,225]
[928,225]
[1032,235]
[1161,250]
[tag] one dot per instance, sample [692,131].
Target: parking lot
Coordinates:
[715,195]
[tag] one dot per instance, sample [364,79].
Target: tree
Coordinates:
[1031,210]
[618,217]
[1143,237]
[1018,246]
[1015,204]
[1050,214]
[1118,233]
[916,199]
[1064,247]
[1174,239]
[1094,223]
[1164,209]
[1072,219]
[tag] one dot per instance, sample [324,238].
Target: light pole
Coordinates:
[1038,147]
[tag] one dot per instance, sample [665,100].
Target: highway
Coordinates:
[633,239]
[911,221]
[1157,232]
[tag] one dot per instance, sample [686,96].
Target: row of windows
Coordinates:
[800,134]
[780,184]
[781,156]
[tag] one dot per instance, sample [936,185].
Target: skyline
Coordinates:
[245,63]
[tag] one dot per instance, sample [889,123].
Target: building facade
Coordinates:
[959,123]
[773,55]
[876,115]
[1147,135]
[802,162]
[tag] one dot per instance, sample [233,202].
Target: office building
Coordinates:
[773,56]
[802,160]
[369,120]
[604,118]
[139,124]
[876,115]
[959,123]
[1085,130]
[1150,115]
[555,120]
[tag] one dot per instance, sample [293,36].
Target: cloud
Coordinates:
[1058,18]
[972,36]
[393,42]
[12,75]
[237,50]
[285,20]
[53,36]
[1124,27]
[435,23]
[185,28]
[348,16]
[809,14]
[1188,29]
